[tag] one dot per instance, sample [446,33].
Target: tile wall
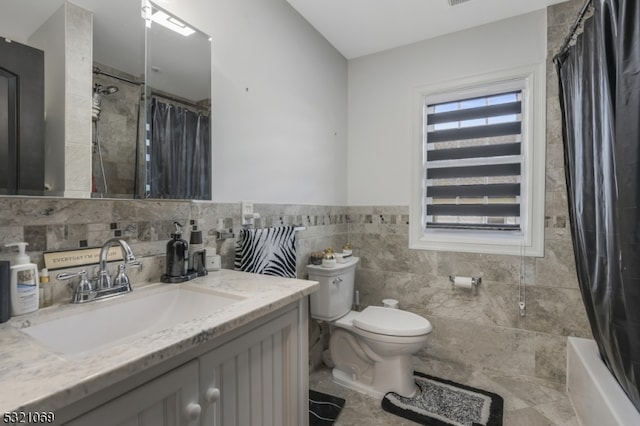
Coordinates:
[479,329]
[117,131]
[51,224]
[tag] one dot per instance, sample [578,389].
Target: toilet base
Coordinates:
[349,381]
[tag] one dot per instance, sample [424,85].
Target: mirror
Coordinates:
[97,105]
[178,93]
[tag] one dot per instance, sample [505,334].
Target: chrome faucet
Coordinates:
[103,280]
[101,285]
[82,292]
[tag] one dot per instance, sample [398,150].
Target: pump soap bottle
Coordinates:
[24,282]
[177,258]
[197,253]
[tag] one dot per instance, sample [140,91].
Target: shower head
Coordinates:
[98,91]
[105,90]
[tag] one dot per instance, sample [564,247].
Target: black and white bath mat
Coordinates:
[444,403]
[323,408]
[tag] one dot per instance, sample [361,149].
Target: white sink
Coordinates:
[117,321]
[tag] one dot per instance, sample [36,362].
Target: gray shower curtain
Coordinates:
[180,153]
[600,99]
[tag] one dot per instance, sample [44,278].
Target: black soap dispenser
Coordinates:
[197,253]
[177,258]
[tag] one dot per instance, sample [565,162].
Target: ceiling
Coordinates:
[361,27]
[354,27]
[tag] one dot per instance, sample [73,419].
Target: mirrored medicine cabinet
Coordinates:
[121,110]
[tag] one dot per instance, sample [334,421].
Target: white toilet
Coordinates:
[371,349]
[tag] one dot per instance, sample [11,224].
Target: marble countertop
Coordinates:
[35,377]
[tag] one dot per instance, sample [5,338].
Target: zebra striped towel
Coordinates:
[268,251]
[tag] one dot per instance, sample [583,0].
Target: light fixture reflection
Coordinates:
[171,23]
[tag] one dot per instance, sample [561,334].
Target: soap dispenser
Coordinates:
[197,253]
[177,258]
[24,282]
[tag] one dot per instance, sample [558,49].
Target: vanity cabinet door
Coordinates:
[169,400]
[254,379]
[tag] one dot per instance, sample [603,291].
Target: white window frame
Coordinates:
[530,240]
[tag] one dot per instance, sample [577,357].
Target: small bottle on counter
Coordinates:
[46,289]
[197,253]
[177,258]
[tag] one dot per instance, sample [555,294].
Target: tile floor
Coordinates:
[527,401]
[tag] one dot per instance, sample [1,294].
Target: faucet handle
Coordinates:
[83,291]
[69,275]
[121,278]
[84,284]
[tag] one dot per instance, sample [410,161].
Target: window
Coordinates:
[479,169]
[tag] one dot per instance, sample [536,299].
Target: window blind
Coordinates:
[474,162]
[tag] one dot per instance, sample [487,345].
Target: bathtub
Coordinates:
[596,395]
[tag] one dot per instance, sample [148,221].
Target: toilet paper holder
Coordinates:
[475,281]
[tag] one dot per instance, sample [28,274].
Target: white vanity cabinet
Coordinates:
[171,399]
[257,376]
[255,379]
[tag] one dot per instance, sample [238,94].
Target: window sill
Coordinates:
[471,242]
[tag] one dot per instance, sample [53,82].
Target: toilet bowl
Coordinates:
[371,349]
[377,360]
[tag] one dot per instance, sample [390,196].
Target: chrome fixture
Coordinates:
[105,90]
[98,71]
[98,91]
[101,286]
[103,279]
[82,291]
[475,281]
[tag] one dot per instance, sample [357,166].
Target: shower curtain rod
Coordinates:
[189,105]
[97,70]
[574,28]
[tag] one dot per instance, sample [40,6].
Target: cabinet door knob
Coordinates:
[192,411]
[212,395]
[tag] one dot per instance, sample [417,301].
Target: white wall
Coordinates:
[279,103]
[381,97]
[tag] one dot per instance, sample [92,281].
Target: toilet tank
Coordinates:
[335,296]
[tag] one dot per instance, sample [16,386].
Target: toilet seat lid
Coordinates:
[391,322]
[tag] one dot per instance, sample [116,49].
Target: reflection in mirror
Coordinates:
[178,92]
[117,96]
[21,119]
[72,35]
[117,114]
[95,57]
